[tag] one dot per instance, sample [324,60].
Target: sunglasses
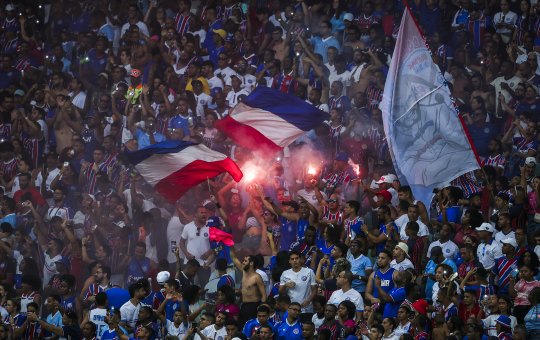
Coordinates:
[331,201]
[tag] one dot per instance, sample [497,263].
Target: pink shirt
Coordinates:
[232,310]
[523,289]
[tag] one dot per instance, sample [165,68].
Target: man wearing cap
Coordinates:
[387,182]
[489,249]
[504,327]
[235,94]
[218,38]
[401,259]
[506,265]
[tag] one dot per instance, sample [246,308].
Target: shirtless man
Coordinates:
[64,120]
[253,291]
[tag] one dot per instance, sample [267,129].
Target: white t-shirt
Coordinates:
[174,233]
[212,333]
[449,249]
[225,72]
[234,97]
[142,28]
[403,265]
[401,223]
[499,236]
[491,325]
[129,313]
[352,295]
[310,196]
[304,281]
[196,245]
[179,331]
[203,100]
[496,83]
[49,269]
[402,329]
[97,317]
[39,179]
[487,253]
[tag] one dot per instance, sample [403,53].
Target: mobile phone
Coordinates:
[173,246]
[194,325]
[66,164]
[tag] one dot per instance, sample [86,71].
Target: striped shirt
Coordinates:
[478,28]
[467,183]
[9,169]
[34,148]
[503,269]
[327,215]
[91,176]
[497,161]
[374,96]
[181,23]
[95,288]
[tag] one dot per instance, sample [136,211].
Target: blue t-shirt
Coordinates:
[391,308]
[453,214]
[143,139]
[288,233]
[180,122]
[252,326]
[284,331]
[358,267]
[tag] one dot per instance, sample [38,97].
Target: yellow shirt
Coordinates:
[205,86]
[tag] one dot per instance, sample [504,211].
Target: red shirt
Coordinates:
[466,313]
[37,199]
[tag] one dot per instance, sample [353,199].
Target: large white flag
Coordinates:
[428,143]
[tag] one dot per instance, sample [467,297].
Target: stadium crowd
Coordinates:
[328,243]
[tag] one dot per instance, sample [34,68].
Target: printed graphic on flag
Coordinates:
[428,143]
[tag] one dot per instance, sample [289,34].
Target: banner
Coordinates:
[428,143]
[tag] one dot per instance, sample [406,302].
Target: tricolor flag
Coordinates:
[173,167]
[270,120]
[428,143]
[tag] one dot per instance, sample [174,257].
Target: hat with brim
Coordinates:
[403,246]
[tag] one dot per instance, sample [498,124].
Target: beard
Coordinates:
[246,267]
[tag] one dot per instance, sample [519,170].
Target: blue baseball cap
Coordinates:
[213,221]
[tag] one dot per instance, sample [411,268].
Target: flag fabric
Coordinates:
[173,167]
[219,236]
[428,143]
[270,120]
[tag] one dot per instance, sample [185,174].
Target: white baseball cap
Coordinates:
[389,178]
[510,241]
[162,277]
[486,227]
[530,161]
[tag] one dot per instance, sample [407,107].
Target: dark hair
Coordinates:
[535,262]
[172,282]
[351,308]
[355,205]
[263,309]
[101,298]
[56,297]
[228,291]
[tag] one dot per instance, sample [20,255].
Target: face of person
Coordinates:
[262,317]
[307,331]
[330,312]
[383,260]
